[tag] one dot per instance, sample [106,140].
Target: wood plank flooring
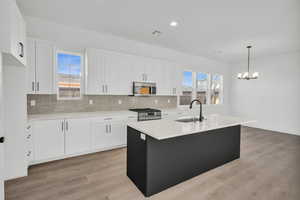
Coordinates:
[269,169]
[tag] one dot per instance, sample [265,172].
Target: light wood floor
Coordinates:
[269,169]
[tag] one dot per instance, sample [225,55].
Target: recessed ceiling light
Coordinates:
[174,23]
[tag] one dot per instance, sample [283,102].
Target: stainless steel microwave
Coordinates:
[144,89]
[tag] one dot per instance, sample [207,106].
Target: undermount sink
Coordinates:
[186,120]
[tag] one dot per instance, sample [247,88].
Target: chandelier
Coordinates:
[247,75]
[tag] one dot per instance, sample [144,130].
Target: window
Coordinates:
[216,89]
[187,88]
[202,86]
[69,68]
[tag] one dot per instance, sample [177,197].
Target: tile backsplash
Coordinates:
[47,104]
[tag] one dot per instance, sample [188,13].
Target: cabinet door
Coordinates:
[137,69]
[30,66]
[152,69]
[95,72]
[118,131]
[101,138]
[44,67]
[48,139]
[77,133]
[118,74]
[163,82]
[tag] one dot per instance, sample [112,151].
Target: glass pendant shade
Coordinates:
[247,75]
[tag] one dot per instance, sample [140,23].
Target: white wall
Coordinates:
[74,39]
[274,99]
[14,82]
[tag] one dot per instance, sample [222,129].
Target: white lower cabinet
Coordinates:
[57,139]
[77,135]
[108,133]
[49,139]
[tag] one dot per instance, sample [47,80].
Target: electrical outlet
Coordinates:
[120,101]
[143,136]
[169,101]
[91,102]
[32,103]
[156,101]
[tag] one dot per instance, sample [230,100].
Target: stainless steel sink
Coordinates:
[186,120]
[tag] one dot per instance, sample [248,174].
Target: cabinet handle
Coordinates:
[38,86]
[106,88]
[62,126]
[2,139]
[102,88]
[22,49]
[67,125]
[110,128]
[32,86]
[108,118]
[106,129]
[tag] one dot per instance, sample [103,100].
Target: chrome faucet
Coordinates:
[191,106]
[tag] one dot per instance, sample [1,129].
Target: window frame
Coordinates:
[82,63]
[221,90]
[194,87]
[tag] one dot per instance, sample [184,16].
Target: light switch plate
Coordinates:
[32,103]
[91,102]
[169,101]
[119,101]
[156,101]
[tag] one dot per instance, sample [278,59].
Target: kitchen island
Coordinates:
[163,153]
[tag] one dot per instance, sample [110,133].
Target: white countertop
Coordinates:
[81,115]
[167,128]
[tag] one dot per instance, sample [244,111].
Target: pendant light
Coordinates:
[247,75]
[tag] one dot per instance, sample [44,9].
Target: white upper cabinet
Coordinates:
[40,66]
[30,66]
[108,73]
[44,67]
[13,33]
[118,74]
[95,66]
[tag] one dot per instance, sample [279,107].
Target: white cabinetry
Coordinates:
[40,67]
[48,139]
[108,133]
[12,34]
[56,139]
[108,73]
[77,135]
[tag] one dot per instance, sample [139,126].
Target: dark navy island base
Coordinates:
[155,165]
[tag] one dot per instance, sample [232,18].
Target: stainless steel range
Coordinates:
[145,114]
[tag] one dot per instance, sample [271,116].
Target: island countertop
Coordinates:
[167,128]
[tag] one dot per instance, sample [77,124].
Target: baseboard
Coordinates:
[274,130]
[36,162]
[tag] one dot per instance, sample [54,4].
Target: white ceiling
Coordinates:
[212,28]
